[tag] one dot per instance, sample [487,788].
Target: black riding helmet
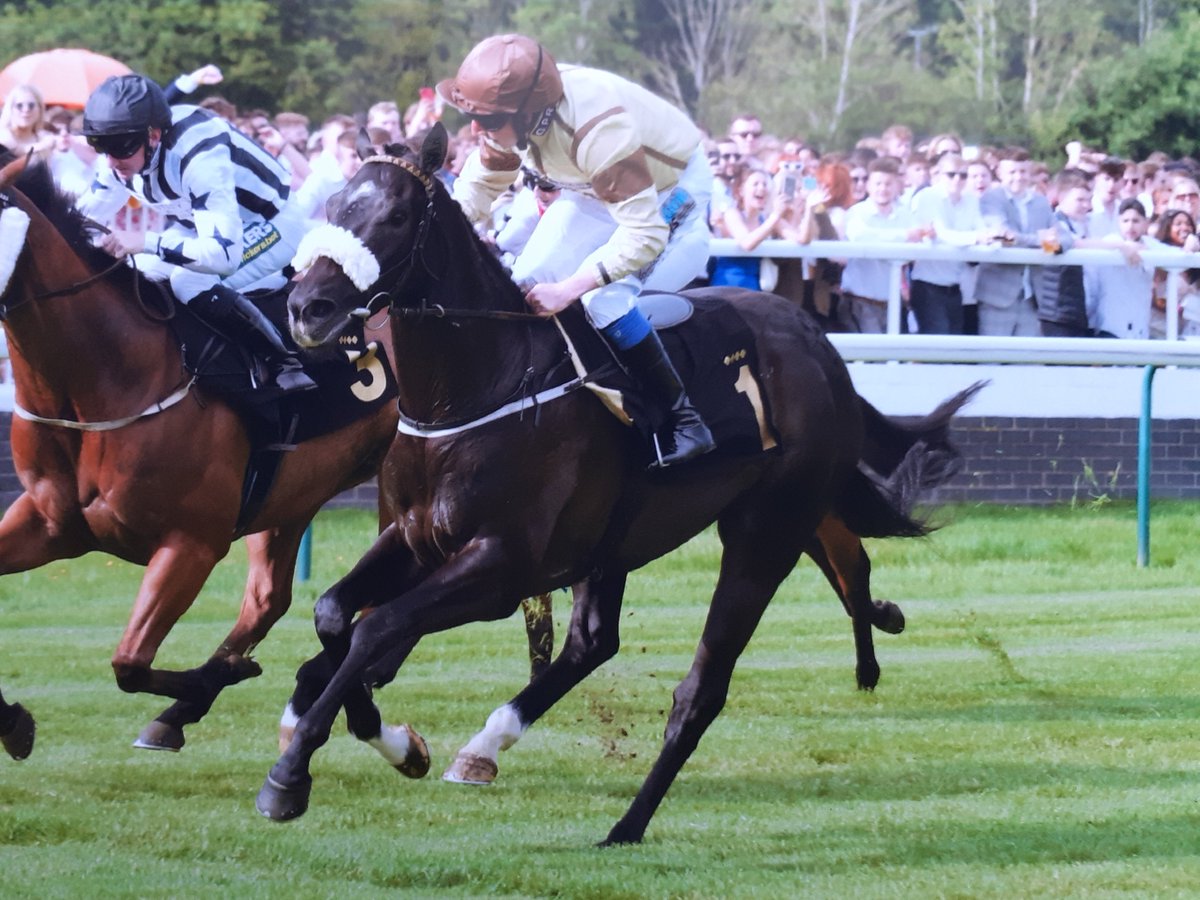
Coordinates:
[119,114]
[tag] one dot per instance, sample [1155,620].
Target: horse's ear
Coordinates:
[363,145]
[433,151]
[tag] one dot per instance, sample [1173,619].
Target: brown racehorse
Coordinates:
[162,490]
[484,516]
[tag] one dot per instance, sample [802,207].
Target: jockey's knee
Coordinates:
[607,304]
[187,285]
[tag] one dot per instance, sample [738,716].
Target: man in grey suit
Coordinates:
[1016,213]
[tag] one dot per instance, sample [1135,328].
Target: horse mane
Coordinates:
[38,185]
[463,234]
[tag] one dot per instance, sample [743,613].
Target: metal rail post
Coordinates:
[1145,428]
[304,559]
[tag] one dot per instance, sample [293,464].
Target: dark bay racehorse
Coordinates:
[523,504]
[163,489]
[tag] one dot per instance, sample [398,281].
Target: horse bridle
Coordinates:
[425,310]
[6,308]
[389,295]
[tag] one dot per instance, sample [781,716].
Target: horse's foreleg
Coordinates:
[268,594]
[389,565]
[17,729]
[593,638]
[28,540]
[400,745]
[464,589]
[759,553]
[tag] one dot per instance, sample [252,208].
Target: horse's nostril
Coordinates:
[318,310]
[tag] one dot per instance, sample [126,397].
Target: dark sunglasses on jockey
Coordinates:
[491,121]
[118,146]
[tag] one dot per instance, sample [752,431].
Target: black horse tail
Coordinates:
[900,461]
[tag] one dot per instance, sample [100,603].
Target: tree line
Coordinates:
[1116,73]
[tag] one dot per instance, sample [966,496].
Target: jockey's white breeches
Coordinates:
[575,226]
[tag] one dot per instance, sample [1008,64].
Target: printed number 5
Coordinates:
[375,383]
[747,384]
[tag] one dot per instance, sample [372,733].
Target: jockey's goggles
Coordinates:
[117,146]
[491,121]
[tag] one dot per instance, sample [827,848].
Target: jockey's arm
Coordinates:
[104,197]
[613,157]
[216,246]
[485,175]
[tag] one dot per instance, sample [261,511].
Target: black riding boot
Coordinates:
[648,362]
[241,321]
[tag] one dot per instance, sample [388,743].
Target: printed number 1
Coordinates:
[747,384]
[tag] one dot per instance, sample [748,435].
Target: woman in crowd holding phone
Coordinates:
[753,217]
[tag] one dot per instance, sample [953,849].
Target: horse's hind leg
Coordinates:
[17,729]
[539,628]
[759,553]
[592,639]
[272,565]
[839,553]
[170,585]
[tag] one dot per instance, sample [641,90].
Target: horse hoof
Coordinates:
[621,835]
[867,681]
[160,736]
[468,768]
[18,741]
[280,803]
[889,617]
[416,762]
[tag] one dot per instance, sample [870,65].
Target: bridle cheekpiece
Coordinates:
[356,260]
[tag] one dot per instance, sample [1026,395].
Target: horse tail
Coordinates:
[871,508]
[901,460]
[919,451]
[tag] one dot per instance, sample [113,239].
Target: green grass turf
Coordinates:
[1034,735]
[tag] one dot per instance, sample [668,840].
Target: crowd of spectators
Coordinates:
[320,158]
[888,187]
[891,187]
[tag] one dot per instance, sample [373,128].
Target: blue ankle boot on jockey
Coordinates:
[641,352]
[238,319]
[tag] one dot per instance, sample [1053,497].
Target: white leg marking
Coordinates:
[503,729]
[289,717]
[392,744]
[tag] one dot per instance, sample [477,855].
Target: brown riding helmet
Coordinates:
[508,73]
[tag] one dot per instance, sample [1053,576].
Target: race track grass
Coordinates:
[1034,735]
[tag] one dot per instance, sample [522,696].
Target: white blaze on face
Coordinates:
[339,245]
[14,225]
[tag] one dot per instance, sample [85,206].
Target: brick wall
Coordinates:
[1008,460]
[1029,461]
[10,488]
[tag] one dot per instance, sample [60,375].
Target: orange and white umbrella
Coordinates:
[65,77]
